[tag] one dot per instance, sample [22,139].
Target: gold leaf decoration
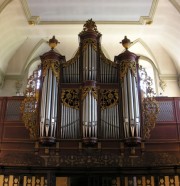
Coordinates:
[150,107]
[125,66]
[70,98]
[109,98]
[54,65]
[86,89]
[29,115]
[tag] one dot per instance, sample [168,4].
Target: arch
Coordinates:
[4,4]
[31,58]
[139,40]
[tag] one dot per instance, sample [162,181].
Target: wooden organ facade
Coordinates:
[86,122]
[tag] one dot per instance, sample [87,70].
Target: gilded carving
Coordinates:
[150,110]
[90,25]
[29,115]
[29,106]
[54,65]
[85,90]
[109,98]
[108,159]
[70,98]
[127,65]
[150,107]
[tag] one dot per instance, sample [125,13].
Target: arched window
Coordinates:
[148,74]
[33,81]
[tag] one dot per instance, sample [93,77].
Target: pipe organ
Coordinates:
[90,97]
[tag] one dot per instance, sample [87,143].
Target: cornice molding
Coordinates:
[13,77]
[175,4]
[170,77]
[36,20]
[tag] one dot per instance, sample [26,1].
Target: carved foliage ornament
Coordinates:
[90,25]
[150,107]
[150,110]
[85,91]
[126,65]
[54,65]
[70,98]
[109,98]
[29,115]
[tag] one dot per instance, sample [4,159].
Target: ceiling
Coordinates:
[26,25]
[80,10]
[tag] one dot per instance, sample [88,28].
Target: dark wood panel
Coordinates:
[165,147]
[19,133]
[14,124]
[177,105]
[1,129]
[168,131]
[19,146]
[3,108]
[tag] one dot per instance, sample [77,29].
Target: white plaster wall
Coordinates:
[9,88]
[172,89]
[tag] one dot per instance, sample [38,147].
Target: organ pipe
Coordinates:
[89,116]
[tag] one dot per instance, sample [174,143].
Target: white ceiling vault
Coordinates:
[76,11]
[26,25]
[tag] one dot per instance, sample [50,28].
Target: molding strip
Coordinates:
[35,20]
[173,77]
[4,4]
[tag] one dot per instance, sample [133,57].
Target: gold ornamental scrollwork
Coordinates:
[70,98]
[90,25]
[54,65]
[85,91]
[29,115]
[150,109]
[109,98]
[126,65]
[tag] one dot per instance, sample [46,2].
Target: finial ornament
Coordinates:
[53,42]
[126,42]
[90,25]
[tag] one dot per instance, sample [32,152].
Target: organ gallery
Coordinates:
[88,119]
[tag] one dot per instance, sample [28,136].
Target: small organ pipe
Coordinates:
[126,116]
[55,110]
[43,103]
[131,107]
[48,108]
